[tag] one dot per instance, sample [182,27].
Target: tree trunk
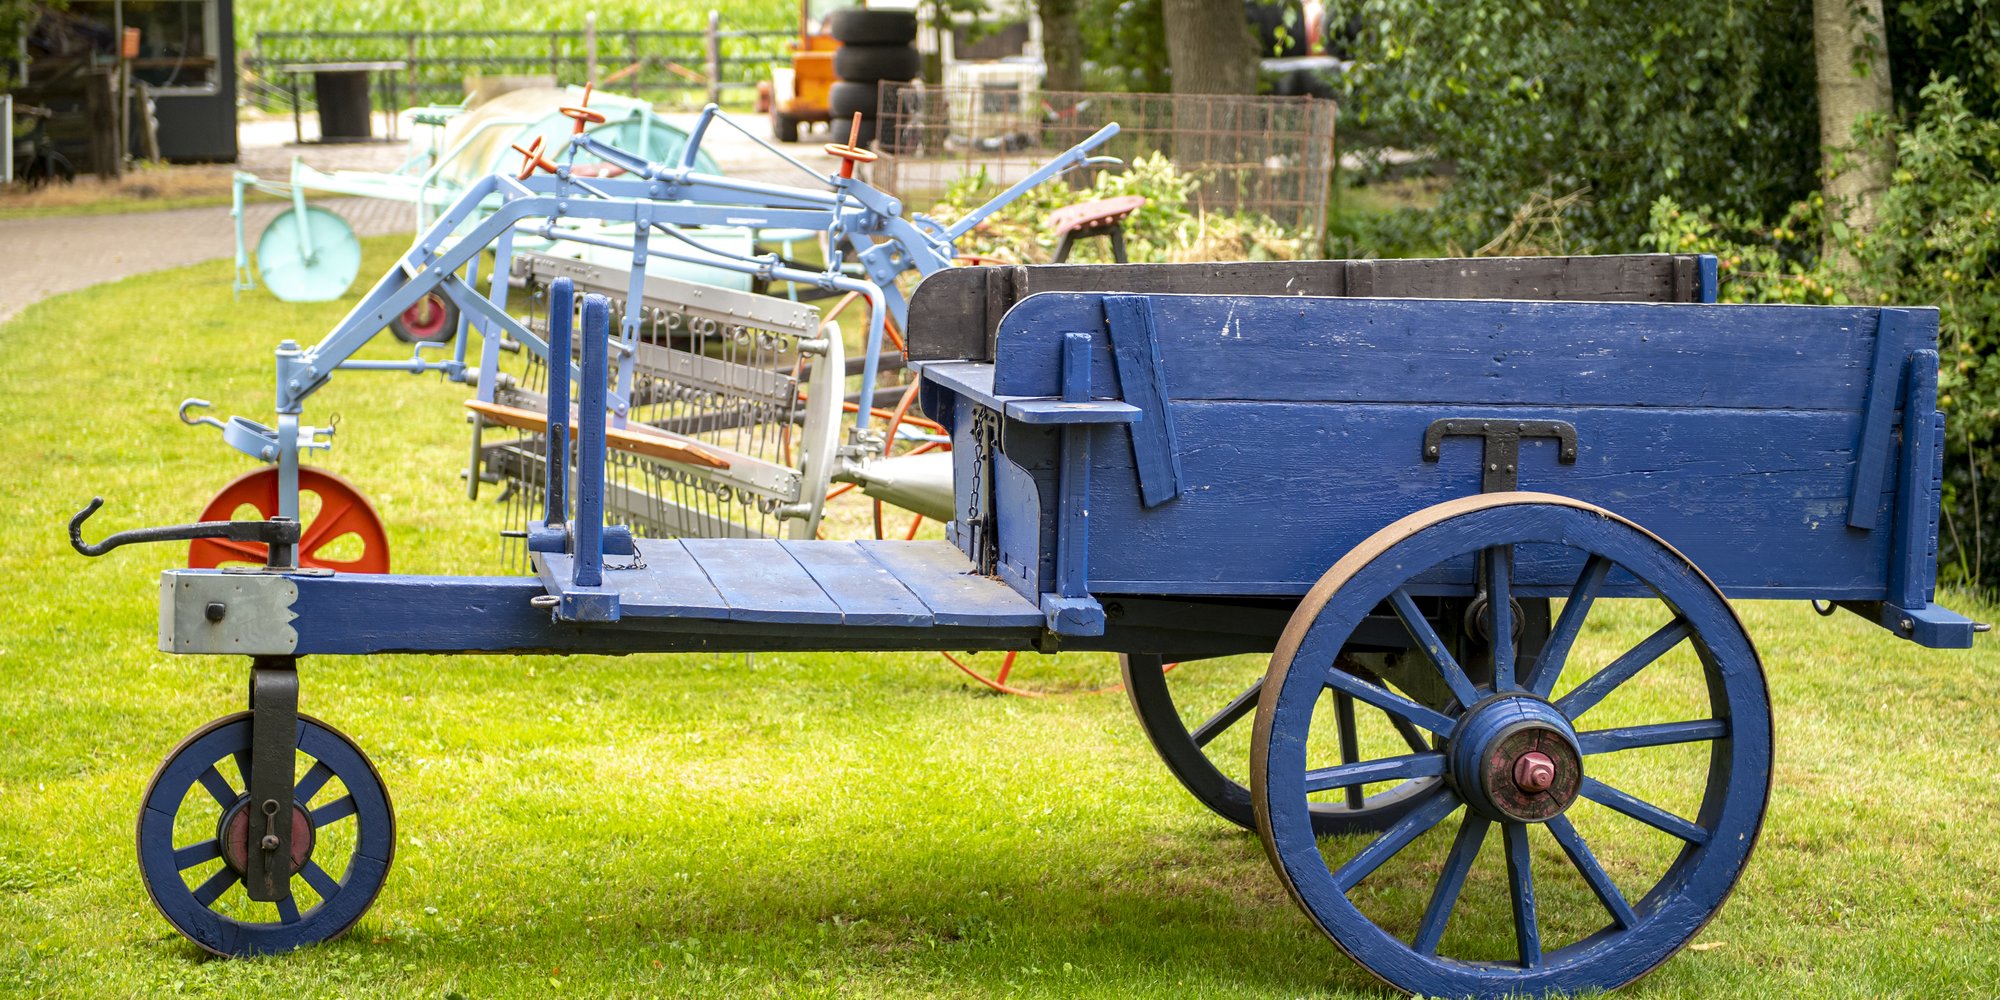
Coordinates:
[1209,47]
[1852,60]
[1062,44]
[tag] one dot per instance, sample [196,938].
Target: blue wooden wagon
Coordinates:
[1422,508]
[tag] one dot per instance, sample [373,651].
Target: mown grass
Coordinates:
[798,825]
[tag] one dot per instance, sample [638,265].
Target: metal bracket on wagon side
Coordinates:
[1500,468]
[206,611]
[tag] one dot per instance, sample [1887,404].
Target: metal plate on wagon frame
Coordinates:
[203,611]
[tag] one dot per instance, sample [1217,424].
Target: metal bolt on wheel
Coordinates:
[194,827]
[1514,757]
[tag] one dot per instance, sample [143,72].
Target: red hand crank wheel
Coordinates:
[532,159]
[582,114]
[849,153]
[343,511]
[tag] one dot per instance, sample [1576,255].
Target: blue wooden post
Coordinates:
[589,533]
[562,315]
[1071,610]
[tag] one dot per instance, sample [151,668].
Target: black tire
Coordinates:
[845,98]
[869,63]
[872,27]
[838,129]
[784,127]
[1280,26]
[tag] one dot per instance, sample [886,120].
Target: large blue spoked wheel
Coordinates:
[1624,770]
[195,830]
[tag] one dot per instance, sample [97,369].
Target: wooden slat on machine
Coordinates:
[955,314]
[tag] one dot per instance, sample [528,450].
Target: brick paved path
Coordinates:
[49,256]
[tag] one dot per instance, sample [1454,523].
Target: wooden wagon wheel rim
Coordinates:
[1184,752]
[1714,846]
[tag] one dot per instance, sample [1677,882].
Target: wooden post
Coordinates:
[101,104]
[555,58]
[410,70]
[590,47]
[714,58]
[149,122]
[632,49]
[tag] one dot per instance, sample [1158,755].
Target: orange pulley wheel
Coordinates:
[343,511]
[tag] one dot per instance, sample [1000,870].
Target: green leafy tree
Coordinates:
[1711,100]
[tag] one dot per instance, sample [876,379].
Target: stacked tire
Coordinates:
[875,51]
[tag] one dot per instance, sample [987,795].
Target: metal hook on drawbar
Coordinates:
[203,404]
[279,533]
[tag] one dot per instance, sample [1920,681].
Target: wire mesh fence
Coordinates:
[1262,156]
[669,67]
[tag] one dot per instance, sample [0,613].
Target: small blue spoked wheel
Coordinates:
[194,835]
[1621,833]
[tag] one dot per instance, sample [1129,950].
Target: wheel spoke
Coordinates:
[338,809]
[288,910]
[315,779]
[1521,879]
[1590,692]
[1657,735]
[1415,765]
[1388,701]
[1500,614]
[1427,640]
[208,892]
[1410,827]
[1464,851]
[1586,865]
[218,787]
[1549,665]
[1231,714]
[194,854]
[243,766]
[1411,735]
[1641,810]
[1350,744]
[320,881]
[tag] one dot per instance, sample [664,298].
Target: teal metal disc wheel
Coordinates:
[1622,773]
[309,257]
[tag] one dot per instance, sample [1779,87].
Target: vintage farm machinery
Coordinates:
[1489,545]
[637,212]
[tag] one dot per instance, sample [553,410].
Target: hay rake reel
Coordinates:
[643,212]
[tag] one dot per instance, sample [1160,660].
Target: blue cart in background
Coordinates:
[1490,545]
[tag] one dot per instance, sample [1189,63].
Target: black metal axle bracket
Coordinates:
[274,734]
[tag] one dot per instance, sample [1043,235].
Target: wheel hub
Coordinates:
[1515,759]
[234,833]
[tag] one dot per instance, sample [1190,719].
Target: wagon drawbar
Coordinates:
[1424,509]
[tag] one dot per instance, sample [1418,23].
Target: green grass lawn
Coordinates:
[791,825]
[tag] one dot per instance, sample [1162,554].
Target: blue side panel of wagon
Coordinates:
[1769,443]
